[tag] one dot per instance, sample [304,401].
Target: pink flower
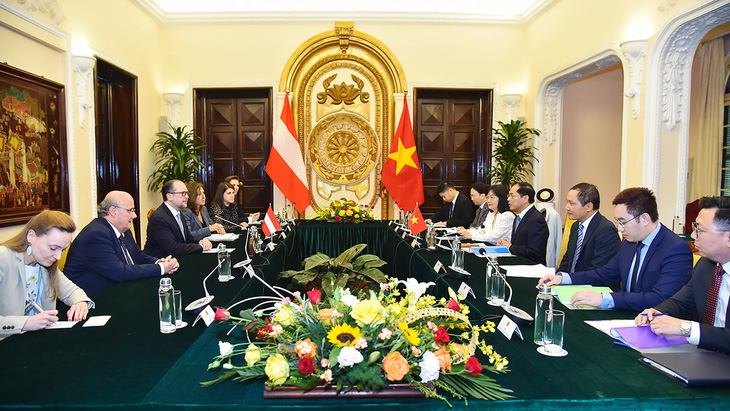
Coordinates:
[384,286]
[276,329]
[416,351]
[361,343]
[385,334]
[326,376]
[325,363]
[432,326]
[222,315]
[314,296]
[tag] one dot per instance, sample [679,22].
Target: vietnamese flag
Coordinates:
[416,223]
[401,172]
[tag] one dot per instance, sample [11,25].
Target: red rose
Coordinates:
[453,305]
[346,208]
[306,366]
[441,335]
[265,331]
[221,314]
[314,296]
[472,364]
[338,219]
[352,220]
[334,208]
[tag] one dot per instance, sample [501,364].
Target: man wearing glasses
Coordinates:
[167,234]
[529,229]
[652,263]
[699,310]
[105,253]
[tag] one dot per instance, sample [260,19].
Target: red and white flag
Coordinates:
[271,224]
[285,165]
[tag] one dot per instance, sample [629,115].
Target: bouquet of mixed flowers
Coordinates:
[345,211]
[365,342]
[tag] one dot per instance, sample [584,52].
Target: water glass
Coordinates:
[496,289]
[177,294]
[553,334]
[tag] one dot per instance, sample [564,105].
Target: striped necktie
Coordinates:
[578,247]
[712,294]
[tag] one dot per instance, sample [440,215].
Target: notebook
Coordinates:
[692,369]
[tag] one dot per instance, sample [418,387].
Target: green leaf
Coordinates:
[333,356]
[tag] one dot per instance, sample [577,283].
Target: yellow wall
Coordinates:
[177,57]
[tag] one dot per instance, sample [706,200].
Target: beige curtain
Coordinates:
[706,126]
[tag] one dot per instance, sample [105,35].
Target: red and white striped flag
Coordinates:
[285,165]
[271,224]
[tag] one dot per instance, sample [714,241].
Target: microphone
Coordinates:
[197,305]
[227,221]
[245,248]
[520,317]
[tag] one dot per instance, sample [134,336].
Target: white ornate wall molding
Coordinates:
[549,107]
[669,72]
[84,69]
[49,7]
[666,5]
[510,102]
[173,101]
[634,51]
[24,14]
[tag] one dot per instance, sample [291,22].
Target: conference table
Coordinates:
[129,364]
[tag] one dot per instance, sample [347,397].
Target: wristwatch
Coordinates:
[686,328]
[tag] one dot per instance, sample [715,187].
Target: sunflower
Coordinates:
[410,334]
[343,335]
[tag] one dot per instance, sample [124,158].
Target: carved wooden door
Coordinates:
[453,136]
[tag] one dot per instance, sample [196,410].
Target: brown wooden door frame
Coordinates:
[483,144]
[117,134]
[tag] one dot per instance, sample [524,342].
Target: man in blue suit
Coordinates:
[529,229]
[104,253]
[593,239]
[167,233]
[699,311]
[652,263]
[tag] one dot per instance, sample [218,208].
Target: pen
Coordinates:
[620,344]
[37,307]
[655,315]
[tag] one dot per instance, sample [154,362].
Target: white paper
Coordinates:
[465,290]
[506,327]
[605,326]
[223,237]
[97,321]
[527,271]
[208,315]
[438,266]
[215,251]
[61,324]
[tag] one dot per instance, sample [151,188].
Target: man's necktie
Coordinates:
[635,271]
[712,294]
[478,219]
[578,247]
[125,251]
[179,223]
[451,211]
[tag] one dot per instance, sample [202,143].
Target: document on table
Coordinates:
[223,237]
[650,345]
[215,250]
[61,324]
[527,271]
[605,326]
[565,293]
[97,321]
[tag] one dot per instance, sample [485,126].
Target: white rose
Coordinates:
[350,356]
[349,300]
[225,347]
[429,367]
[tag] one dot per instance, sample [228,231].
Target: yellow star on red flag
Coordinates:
[403,157]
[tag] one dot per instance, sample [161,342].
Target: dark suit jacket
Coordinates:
[667,267]
[689,304]
[530,238]
[164,237]
[198,228]
[600,244]
[463,214]
[95,260]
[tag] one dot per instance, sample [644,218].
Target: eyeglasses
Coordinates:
[699,230]
[623,223]
[182,193]
[514,195]
[129,210]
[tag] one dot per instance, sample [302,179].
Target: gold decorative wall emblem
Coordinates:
[343,148]
[342,93]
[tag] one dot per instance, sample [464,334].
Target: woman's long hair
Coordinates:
[193,187]
[41,225]
[501,192]
[222,187]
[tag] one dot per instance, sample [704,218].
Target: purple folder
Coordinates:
[643,338]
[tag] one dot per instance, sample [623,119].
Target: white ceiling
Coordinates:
[456,11]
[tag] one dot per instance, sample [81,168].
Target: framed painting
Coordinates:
[33,164]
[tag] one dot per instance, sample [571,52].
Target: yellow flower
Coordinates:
[342,213]
[357,216]
[284,316]
[344,335]
[253,354]
[368,312]
[410,334]
[277,369]
[349,213]
[356,209]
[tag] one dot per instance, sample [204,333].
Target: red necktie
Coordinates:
[711,307]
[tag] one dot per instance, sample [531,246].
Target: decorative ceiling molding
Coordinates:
[258,16]
[49,7]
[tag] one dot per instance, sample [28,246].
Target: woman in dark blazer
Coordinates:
[196,215]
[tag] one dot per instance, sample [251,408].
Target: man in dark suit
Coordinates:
[104,253]
[593,239]
[167,234]
[699,311]
[478,194]
[456,210]
[529,229]
[651,264]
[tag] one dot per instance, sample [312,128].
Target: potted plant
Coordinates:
[326,273]
[512,155]
[177,157]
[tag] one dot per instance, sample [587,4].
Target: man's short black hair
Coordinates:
[481,188]
[722,215]
[588,193]
[444,186]
[168,188]
[526,189]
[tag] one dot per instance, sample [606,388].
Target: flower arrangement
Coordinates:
[365,342]
[345,211]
